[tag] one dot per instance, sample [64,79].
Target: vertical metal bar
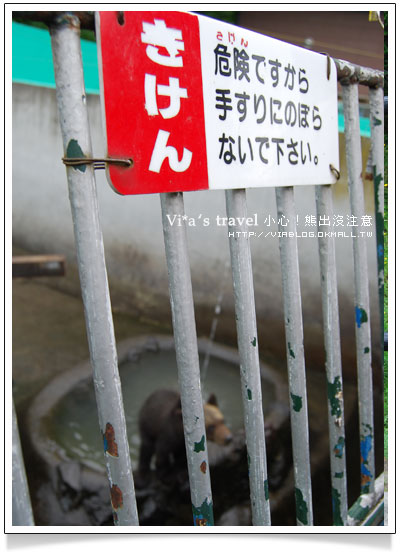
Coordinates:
[377,151]
[295,353]
[74,123]
[333,365]
[217,311]
[21,503]
[243,287]
[362,313]
[187,356]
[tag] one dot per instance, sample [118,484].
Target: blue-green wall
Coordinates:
[32,63]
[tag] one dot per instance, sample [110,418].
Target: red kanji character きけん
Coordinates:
[160,38]
[157,36]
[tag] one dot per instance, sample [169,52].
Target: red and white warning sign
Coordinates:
[198,104]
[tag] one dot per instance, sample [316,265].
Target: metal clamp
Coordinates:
[98,164]
[334,171]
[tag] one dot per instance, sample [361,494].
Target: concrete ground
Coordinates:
[49,335]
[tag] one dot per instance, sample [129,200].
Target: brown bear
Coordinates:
[161,431]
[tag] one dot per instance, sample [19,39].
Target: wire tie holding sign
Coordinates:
[334,171]
[328,67]
[98,164]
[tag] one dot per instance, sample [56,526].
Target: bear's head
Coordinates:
[216,428]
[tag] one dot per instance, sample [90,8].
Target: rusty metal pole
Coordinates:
[71,100]
[295,353]
[187,357]
[246,325]
[362,311]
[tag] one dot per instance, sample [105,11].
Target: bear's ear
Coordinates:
[212,399]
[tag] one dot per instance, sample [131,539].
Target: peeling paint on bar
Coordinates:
[200,446]
[266,490]
[361,281]
[377,160]
[336,507]
[333,364]
[74,151]
[203,515]
[187,356]
[117,499]
[74,123]
[295,349]
[297,402]
[366,444]
[348,72]
[361,316]
[110,446]
[339,448]
[335,397]
[301,508]
[246,325]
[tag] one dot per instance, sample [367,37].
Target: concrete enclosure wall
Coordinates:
[134,241]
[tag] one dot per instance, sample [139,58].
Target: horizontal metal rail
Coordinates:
[353,73]
[367,503]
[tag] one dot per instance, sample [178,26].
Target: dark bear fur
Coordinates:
[161,431]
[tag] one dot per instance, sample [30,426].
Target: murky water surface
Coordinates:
[73,425]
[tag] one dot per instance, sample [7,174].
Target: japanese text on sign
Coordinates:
[271,111]
[199,104]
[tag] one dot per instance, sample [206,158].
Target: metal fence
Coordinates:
[368,509]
